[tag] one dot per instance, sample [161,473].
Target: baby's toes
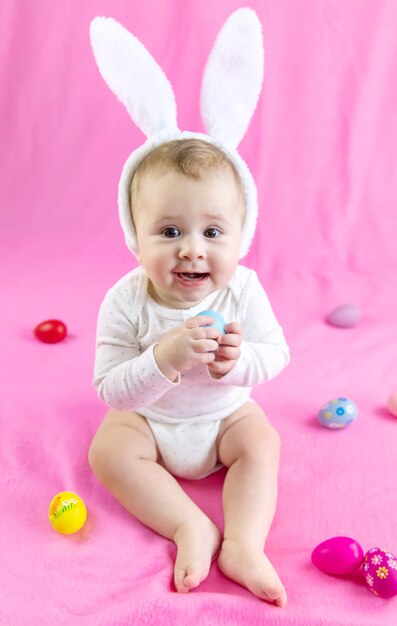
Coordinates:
[179,581]
[186,579]
[282,599]
[271,592]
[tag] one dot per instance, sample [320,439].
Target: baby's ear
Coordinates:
[233,78]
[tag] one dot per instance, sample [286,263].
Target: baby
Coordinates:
[179,389]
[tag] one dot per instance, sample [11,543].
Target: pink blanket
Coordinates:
[323,149]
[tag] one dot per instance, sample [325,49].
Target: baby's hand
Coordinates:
[193,343]
[228,352]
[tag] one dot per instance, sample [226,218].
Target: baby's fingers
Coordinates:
[220,368]
[199,320]
[204,332]
[230,340]
[234,328]
[205,345]
[229,353]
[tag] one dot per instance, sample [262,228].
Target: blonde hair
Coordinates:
[194,158]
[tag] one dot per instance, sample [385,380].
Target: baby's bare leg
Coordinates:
[124,456]
[249,446]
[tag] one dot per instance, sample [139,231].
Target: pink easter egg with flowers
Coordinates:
[380,572]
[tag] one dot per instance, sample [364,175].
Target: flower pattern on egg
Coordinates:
[392,563]
[382,572]
[377,559]
[337,413]
[369,579]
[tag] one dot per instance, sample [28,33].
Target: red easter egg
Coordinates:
[338,555]
[51,331]
[380,571]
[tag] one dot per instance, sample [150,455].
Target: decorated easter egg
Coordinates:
[51,331]
[345,316]
[392,404]
[380,572]
[67,512]
[338,555]
[219,322]
[337,413]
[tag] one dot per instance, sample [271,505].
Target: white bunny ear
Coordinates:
[233,78]
[134,77]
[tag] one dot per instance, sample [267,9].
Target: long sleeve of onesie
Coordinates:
[264,351]
[125,377]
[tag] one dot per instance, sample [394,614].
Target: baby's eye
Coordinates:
[212,233]
[171,232]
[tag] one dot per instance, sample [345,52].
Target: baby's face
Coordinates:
[188,234]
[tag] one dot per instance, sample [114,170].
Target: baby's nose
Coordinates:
[192,248]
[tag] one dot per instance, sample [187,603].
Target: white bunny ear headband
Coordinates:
[230,90]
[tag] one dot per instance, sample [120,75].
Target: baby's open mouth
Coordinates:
[192,275]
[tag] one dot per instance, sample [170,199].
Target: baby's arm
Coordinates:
[124,377]
[257,350]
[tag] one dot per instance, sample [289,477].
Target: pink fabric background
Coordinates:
[323,148]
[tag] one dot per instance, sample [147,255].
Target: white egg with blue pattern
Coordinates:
[337,413]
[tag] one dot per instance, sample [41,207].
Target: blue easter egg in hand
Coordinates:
[337,413]
[219,322]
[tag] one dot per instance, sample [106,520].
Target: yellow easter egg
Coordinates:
[67,512]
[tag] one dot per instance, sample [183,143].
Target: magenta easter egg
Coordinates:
[338,555]
[380,571]
[345,316]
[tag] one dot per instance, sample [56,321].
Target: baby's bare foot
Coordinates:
[253,570]
[197,543]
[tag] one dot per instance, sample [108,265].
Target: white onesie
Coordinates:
[185,414]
